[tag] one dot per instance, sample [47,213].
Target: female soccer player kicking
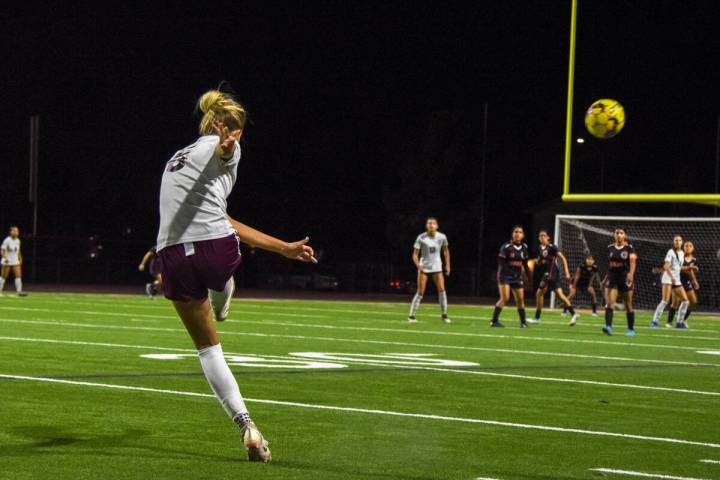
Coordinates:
[198,247]
[12,261]
[622,261]
[512,264]
[585,275]
[149,261]
[426,257]
[672,287]
[548,256]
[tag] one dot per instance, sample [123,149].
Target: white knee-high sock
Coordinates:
[223,383]
[659,311]
[220,300]
[18,285]
[2,284]
[682,310]
[415,304]
[442,297]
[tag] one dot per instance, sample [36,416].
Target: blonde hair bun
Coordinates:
[219,107]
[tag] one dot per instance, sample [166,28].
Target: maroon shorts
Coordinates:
[190,269]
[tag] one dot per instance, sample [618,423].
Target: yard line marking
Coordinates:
[714,462]
[379,329]
[682,336]
[486,478]
[437,369]
[374,342]
[495,423]
[631,473]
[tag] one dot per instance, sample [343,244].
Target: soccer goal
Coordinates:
[578,236]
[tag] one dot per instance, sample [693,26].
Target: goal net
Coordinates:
[579,236]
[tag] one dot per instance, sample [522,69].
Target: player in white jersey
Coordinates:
[427,259]
[12,260]
[198,247]
[672,287]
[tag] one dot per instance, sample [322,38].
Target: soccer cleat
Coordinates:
[221,313]
[255,444]
[524,325]
[496,325]
[630,332]
[445,319]
[607,330]
[22,294]
[564,314]
[681,325]
[654,324]
[149,290]
[412,320]
[533,320]
[594,314]
[574,320]
[668,325]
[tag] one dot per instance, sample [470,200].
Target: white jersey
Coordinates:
[11,251]
[675,258]
[193,194]
[430,248]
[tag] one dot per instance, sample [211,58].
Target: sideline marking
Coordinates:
[382,412]
[467,372]
[631,473]
[714,462]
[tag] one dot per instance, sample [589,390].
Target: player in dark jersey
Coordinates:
[512,265]
[548,255]
[622,261]
[688,278]
[149,262]
[585,276]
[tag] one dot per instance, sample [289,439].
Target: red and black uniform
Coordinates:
[685,277]
[584,279]
[512,259]
[549,255]
[619,267]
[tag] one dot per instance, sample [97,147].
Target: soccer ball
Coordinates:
[605,118]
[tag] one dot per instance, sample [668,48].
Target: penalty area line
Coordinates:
[494,423]
[631,473]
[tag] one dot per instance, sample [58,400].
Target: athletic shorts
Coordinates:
[581,285]
[514,282]
[618,282]
[190,269]
[688,286]
[550,284]
[431,273]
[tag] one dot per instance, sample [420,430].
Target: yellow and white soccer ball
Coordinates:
[605,118]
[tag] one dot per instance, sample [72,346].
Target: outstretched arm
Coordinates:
[293,250]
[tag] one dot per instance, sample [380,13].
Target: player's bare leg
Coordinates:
[539,304]
[566,302]
[692,296]
[504,291]
[415,304]
[519,295]
[439,282]
[197,317]
[4,273]
[629,312]
[17,273]
[666,295]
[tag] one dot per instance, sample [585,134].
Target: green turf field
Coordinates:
[108,386]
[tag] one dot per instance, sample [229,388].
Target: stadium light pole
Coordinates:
[481,213]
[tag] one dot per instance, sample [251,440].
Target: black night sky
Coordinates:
[366,116]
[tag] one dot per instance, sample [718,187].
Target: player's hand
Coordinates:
[227,139]
[567,275]
[447,271]
[420,268]
[299,251]
[141,267]
[629,279]
[696,285]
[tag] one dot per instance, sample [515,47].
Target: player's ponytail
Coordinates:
[219,107]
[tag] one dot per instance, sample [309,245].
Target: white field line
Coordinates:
[371,342]
[377,329]
[486,478]
[713,462]
[630,473]
[379,412]
[405,367]
[399,317]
